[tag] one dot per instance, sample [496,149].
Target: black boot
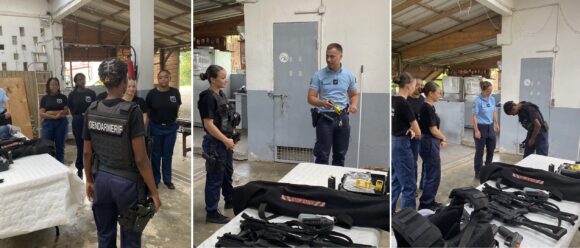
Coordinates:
[228,205]
[216,217]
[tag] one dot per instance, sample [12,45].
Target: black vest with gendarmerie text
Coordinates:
[224,110]
[110,136]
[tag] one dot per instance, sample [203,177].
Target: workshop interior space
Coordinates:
[271,53]
[520,52]
[44,200]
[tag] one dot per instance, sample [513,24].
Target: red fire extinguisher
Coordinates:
[130,68]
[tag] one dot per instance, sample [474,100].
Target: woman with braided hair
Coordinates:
[114,144]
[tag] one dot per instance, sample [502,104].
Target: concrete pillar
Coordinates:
[142,39]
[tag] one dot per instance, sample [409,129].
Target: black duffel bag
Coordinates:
[560,187]
[350,209]
[21,148]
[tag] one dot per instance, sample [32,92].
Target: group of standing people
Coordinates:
[416,132]
[333,87]
[159,113]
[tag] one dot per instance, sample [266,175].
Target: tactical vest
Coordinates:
[110,136]
[442,229]
[529,124]
[225,114]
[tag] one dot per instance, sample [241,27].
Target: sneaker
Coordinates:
[170,186]
[216,217]
[228,205]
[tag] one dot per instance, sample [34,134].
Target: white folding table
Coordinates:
[38,192]
[531,237]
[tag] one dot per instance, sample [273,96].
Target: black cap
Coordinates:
[507,107]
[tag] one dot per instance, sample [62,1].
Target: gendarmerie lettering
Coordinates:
[106,127]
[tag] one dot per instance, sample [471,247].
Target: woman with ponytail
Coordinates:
[431,141]
[218,145]
[404,128]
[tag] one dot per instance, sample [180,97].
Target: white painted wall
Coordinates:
[540,29]
[361,27]
[28,14]
[543,25]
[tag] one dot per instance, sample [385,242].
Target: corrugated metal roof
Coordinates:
[429,9]
[214,10]
[112,14]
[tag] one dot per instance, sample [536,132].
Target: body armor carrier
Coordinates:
[110,136]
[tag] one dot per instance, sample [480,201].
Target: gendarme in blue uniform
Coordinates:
[334,86]
[333,133]
[483,109]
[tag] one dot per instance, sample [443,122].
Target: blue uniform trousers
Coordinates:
[112,194]
[432,168]
[403,173]
[77,127]
[218,179]
[331,134]
[56,130]
[540,146]
[164,137]
[487,139]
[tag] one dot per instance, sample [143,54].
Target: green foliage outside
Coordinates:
[185,68]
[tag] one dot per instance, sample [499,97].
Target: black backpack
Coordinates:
[444,228]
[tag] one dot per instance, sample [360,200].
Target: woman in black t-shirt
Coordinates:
[130,96]
[78,102]
[431,142]
[163,103]
[54,109]
[404,129]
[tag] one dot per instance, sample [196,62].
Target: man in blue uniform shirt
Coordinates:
[333,90]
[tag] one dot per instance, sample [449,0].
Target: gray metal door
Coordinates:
[295,62]
[536,85]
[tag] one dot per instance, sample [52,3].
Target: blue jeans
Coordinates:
[488,140]
[403,170]
[540,147]
[416,147]
[113,194]
[330,134]
[164,137]
[77,127]
[56,130]
[432,168]
[218,179]
[5,132]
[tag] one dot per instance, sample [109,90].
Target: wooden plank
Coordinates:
[18,103]
[471,35]
[429,20]
[443,33]
[31,96]
[403,6]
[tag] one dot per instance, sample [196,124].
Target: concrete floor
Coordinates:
[171,227]
[244,172]
[457,170]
